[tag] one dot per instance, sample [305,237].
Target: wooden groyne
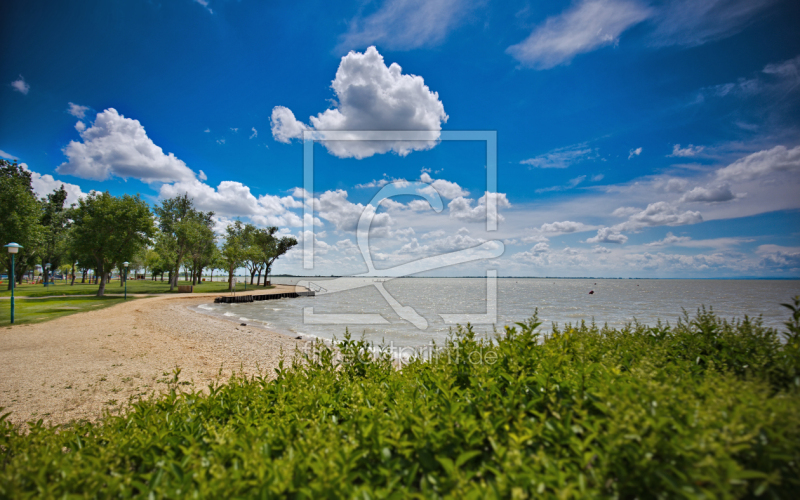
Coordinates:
[240,299]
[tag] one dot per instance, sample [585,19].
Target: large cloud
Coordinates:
[234,199]
[119,146]
[762,163]
[370,97]
[585,27]
[45,184]
[406,24]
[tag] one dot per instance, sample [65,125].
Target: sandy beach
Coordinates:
[79,366]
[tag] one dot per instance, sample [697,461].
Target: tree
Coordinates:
[151,262]
[177,219]
[20,214]
[276,248]
[111,230]
[55,223]
[257,242]
[74,257]
[234,249]
[201,244]
[215,262]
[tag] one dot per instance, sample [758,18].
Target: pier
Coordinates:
[240,299]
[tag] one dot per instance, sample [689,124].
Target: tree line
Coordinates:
[102,231]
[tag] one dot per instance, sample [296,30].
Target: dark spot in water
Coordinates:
[243,324]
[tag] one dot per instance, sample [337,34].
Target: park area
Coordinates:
[37,303]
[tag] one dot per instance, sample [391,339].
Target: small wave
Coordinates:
[229,314]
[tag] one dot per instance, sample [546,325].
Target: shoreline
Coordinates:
[77,367]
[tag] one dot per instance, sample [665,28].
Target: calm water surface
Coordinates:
[615,302]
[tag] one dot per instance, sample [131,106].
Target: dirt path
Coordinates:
[78,366]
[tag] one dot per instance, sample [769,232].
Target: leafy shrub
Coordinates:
[705,409]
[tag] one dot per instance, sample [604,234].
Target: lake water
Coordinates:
[615,302]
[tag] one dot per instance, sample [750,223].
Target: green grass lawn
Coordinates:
[38,310]
[141,286]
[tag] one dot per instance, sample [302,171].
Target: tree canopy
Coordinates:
[111,230]
[102,231]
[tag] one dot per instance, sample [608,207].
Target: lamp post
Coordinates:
[126,264]
[13,248]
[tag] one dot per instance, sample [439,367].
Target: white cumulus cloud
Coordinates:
[119,146]
[608,235]
[446,189]
[45,184]
[234,199]
[461,208]
[370,96]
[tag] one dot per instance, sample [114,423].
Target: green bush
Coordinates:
[704,409]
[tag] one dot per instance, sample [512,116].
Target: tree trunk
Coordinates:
[252,276]
[258,283]
[230,280]
[102,274]
[72,283]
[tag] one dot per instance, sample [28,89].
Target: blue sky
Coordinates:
[635,138]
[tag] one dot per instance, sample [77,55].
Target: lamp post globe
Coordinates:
[13,248]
